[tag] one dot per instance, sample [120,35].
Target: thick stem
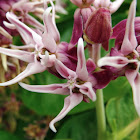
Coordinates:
[94,52]
[100,113]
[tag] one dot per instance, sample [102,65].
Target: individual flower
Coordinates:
[46,47]
[125,60]
[78,86]
[80,17]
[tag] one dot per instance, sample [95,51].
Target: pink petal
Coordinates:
[103,77]
[81,69]
[77,29]
[90,65]
[53,88]
[121,26]
[59,7]
[27,34]
[134,79]
[32,68]
[64,71]
[22,47]
[50,26]
[87,89]
[69,103]
[114,61]
[49,43]
[130,42]
[114,6]
[22,55]
[32,21]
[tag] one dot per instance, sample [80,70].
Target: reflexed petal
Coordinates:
[49,43]
[27,34]
[81,69]
[32,68]
[103,77]
[22,47]
[59,7]
[64,71]
[87,89]
[32,21]
[121,26]
[50,26]
[130,42]
[134,79]
[90,65]
[115,5]
[53,88]
[22,55]
[69,103]
[77,29]
[116,61]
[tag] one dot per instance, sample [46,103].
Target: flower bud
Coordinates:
[98,27]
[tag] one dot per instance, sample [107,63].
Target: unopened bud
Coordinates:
[98,27]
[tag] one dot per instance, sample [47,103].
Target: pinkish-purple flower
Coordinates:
[78,86]
[125,59]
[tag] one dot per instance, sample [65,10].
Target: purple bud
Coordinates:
[98,27]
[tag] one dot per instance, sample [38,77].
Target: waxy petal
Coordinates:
[122,25]
[27,34]
[31,68]
[22,47]
[64,71]
[77,29]
[49,43]
[130,42]
[90,65]
[87,89]
[115,61]
[81,69]
[22,55]
[114,6]
[102,78]
[69,103]
[32,21]
[53,88]
[134,79]
[50,26]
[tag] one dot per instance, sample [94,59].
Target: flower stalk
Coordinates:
[100,114]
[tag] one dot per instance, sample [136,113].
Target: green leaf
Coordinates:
[120,112]
[8,136]
[79,127]
[116,88]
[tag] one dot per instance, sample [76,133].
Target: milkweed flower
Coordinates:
[78,86]
[46,47]
[125,59]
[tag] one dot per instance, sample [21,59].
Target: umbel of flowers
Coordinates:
[43,50]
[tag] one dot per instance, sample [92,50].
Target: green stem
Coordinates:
[100,113]
[94,53]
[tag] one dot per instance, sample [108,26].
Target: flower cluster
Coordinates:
[43,50]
